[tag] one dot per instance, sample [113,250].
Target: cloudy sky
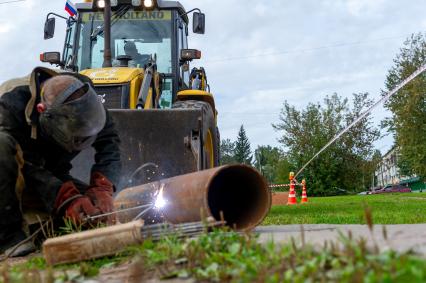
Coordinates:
[259,53]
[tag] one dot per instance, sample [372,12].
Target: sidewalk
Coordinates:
[401,238]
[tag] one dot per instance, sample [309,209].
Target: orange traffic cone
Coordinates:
[292,194]
[304,194]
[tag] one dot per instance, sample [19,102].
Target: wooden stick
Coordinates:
[92,244]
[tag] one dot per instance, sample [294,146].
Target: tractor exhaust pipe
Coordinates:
[107,35]
[237,194]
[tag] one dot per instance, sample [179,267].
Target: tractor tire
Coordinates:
[210,131]
[218,146]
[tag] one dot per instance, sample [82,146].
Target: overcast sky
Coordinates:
[259,53]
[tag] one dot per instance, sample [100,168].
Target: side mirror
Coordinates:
[189,54]
[49,28]
[51,57]
[199,23]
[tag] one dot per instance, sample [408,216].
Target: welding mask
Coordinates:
[73,124]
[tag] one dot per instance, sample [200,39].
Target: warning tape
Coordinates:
[283,185]
[279,185]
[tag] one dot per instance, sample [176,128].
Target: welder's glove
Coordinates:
[100,193]
[71,204]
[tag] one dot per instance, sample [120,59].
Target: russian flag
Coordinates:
[70,8]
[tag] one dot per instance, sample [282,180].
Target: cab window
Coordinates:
[183,44]
[138,34]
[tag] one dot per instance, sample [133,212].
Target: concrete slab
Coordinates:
[402,238]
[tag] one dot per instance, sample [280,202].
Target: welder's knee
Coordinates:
[7,149]
[9,178]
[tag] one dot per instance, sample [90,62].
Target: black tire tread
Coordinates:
[208,116]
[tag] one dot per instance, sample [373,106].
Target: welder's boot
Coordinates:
[9,242]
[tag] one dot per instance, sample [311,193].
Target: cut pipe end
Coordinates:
[238,192]
[241,194]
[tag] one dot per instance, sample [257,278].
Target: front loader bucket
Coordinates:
[161,143]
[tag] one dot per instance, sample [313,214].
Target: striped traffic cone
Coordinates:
[304,194]
[292,194]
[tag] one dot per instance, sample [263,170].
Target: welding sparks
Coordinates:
[160,202]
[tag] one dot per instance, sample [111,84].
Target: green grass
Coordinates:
[386,209]
[233,257]
[224,256]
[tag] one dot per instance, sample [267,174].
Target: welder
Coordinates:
[46,119]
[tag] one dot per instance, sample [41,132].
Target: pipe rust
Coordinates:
[238,192]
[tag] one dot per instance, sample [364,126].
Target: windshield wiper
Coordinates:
[116,16]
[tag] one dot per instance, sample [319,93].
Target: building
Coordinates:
[388,173]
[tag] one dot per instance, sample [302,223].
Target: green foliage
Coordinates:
[36,262]
[272,163]
[236,152]
[224,256]
[375,160]
[227,152]
[345,166]
[69,227]
[406,209]
[36,268]
[408,107]
[242,148]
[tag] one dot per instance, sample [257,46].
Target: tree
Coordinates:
[272,163]
[408,107]
[265,160]
[242,148]
[227,152]
[342,167]
[374,163]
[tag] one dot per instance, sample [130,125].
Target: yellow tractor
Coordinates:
[136,53]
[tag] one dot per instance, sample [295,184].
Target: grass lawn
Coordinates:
[233,257]
[401,208]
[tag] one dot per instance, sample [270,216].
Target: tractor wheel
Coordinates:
[218,145]
[210,132]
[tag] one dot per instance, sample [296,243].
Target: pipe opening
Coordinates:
[241,194]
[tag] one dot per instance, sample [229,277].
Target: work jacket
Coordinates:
[47,165]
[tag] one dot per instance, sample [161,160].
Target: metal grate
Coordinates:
[114,96]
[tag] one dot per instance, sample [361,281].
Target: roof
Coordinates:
[390,151]
[410,180]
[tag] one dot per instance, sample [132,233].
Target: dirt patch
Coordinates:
[20,260]
[280,198]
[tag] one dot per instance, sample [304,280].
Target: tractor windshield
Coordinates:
[138,34]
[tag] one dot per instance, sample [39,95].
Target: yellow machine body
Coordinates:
[165,116]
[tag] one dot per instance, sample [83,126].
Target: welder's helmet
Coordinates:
[75,115]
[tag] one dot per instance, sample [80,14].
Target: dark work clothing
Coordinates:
[10,214]
[47,166]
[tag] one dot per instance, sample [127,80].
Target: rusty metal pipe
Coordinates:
[237,191]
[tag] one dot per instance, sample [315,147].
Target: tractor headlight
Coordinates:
[101,3]
[148,4]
